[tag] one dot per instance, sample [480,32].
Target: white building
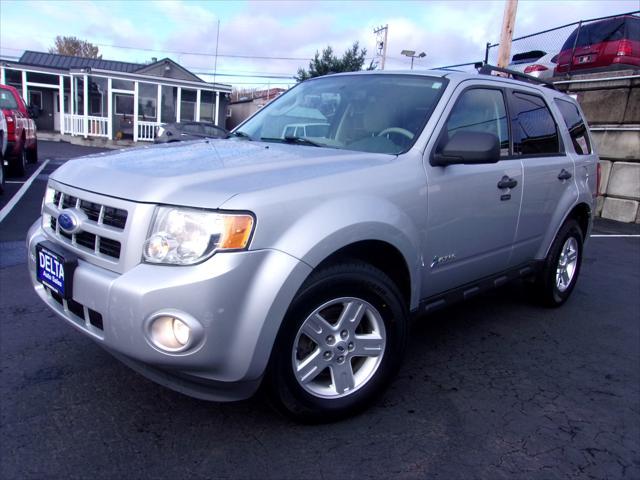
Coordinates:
[92,97]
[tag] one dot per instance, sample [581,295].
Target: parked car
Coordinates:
[540,66]
[22,141]
[306,130]
[216,266]
[608,44]
[3,147]
[181,131]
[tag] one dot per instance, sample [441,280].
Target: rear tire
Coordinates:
[32,154]
[561,268]
[340,344]
[19,163]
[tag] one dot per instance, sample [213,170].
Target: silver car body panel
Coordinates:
[448,223]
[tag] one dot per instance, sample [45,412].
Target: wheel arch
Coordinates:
[582,212]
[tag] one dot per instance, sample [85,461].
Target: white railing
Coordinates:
[96,126]
[147,131]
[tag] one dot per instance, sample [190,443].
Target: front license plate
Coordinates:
[55,268]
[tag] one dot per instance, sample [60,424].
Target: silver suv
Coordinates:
[217,266]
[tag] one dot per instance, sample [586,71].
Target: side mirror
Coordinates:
[468,148]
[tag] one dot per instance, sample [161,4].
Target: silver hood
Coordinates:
[206,173]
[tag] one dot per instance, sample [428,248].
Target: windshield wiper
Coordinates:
[240,134]
[292,139]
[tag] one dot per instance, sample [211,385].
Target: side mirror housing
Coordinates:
[468,148]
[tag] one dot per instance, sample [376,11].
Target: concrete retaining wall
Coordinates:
[611,104]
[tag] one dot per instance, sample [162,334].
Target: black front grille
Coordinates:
[66,235]
[86,240]
[91,209]
[56,197]
[68,201]
[95,318]
[110,247]
[115,217]
[53,223]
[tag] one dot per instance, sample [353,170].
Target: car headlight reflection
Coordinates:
[185,236]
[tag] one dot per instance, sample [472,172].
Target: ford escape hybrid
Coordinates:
[293,263]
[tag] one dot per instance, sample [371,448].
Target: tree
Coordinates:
[351,61]
[75,47]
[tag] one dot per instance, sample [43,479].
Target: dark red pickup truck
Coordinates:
[22,142]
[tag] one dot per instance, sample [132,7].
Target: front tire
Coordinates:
[340,344]
[561,268]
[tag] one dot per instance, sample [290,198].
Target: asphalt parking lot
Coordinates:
[494,388]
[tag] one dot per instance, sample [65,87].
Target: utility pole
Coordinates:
[381,43]
[508,25]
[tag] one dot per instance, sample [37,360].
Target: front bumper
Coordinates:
[239,299]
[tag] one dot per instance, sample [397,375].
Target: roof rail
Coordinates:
[487,69]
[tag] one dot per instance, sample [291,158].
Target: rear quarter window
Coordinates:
[576,126]
[533,128]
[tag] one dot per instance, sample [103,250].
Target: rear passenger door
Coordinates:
[548,185]
[471,220]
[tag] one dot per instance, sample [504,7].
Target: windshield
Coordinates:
[368,113]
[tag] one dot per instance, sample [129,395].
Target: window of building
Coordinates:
[207,106]
[119,84]
[480,110]
[534,130]
[37,77]
[35,98]
[147,101]
[168,107]
[188,105]
[576,126]
[124,104]
[13,78]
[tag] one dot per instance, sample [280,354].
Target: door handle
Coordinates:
[564,175]
[507,182]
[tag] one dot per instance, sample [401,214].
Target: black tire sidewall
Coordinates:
[351,280]
[551,295]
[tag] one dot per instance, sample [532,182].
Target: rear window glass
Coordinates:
[610,30]
[576,126]
[7,100]
[533,128]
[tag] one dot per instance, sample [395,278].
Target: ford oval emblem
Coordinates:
[68,222]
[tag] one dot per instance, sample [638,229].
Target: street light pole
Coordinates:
[412,54]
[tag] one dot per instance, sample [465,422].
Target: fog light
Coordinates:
[181,331]
[173,331]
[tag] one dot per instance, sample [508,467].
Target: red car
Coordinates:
[608,44]
[22,142]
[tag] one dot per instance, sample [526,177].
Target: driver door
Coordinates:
[471,220]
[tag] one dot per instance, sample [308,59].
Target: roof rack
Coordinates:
[487,69]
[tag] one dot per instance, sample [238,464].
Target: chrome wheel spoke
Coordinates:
[351,315]
[567,264]
[368,346]
[317,328]
[342,377]
[310,367]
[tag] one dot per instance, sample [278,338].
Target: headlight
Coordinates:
[184,236]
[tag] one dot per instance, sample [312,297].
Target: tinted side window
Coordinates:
[193,128]
[576,126]
[480,110]
[533,128]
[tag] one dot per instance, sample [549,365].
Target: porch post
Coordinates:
[2,76]
[72,94]
[24,87]
[85,104]
[178,104]
[135,111]
[217,106]
[198,94]
[109,110]
[61,102]
[159,105]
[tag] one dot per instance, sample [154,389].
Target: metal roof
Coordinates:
[67,62]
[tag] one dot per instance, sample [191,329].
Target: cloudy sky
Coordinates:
[281,36]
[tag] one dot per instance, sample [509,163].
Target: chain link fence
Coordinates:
[567,47]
